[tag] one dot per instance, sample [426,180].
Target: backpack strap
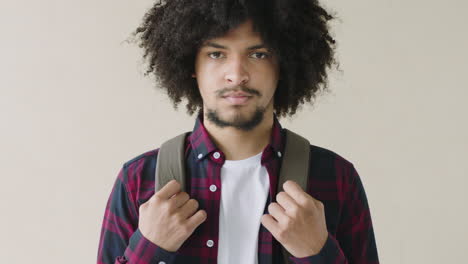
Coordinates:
[295,164]
[295,167]
[170,163]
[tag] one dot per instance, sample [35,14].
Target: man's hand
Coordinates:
[168,218]
[297,221]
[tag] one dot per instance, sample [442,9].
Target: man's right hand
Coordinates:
[169,217]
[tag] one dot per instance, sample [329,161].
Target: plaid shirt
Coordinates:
[332,180]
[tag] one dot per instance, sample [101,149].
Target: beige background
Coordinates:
[74,106]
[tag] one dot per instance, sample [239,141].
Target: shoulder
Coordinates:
[321,154]
[328,166]
[139,171]
[141,166]
[141,158]
[137,176]
[150,156]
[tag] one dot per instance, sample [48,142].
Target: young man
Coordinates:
[242,65]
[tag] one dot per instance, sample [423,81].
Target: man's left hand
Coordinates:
[297,221]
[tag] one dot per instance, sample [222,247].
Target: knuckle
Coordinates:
[141,209]
[155,199]
[186,229]
[308,204]
[175,182]
[282,234]
[320,204]
[280,195]
[295,211]
[166,207]
[194,203]
[304,201]
[271,206]
[145,204]
[184,196]
[178,220]
[203,215]
[199,215]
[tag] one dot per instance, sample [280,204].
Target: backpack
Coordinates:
[295,164]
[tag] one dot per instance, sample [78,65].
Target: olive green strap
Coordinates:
[295,167]
[295,164]
[170,163]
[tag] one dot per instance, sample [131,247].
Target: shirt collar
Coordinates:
[203,145]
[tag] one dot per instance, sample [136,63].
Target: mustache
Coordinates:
[244,89]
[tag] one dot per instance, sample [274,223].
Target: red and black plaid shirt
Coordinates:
[332,180]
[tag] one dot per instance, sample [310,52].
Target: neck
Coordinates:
[238,144]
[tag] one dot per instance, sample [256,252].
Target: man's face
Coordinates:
[237,77]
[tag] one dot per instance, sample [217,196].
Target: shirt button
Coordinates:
[200,156]
[279,154]
[213,188]
[216,155]
[210,243]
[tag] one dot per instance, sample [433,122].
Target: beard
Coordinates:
[238,121]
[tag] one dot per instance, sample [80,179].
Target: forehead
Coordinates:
[215,44]
[242,35]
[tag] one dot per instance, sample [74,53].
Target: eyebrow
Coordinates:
[215,45]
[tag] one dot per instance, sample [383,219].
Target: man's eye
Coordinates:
[256,55]
[214,55]
[264,55]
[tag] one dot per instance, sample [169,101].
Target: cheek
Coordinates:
[206,83]
[270,81]
[206,73]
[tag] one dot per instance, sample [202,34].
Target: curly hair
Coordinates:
[296,31]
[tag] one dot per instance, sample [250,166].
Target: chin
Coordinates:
[239,118]
[237,112]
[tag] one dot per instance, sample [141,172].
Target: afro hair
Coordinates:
[296,31]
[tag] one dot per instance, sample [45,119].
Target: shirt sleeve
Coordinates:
[121,241]
[355,241]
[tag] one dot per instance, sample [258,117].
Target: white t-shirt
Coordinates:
[244,190]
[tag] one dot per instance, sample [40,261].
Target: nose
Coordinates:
[236,72]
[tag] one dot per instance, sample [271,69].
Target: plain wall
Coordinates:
[74,106]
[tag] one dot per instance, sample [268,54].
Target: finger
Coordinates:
[296,192]
[287,202]
[319,205]
[197,219]
[189,208]
[269,223]
[179,199]
[169,190]
[277,212]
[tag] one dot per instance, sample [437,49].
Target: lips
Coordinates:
[237,99]
[237,95]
